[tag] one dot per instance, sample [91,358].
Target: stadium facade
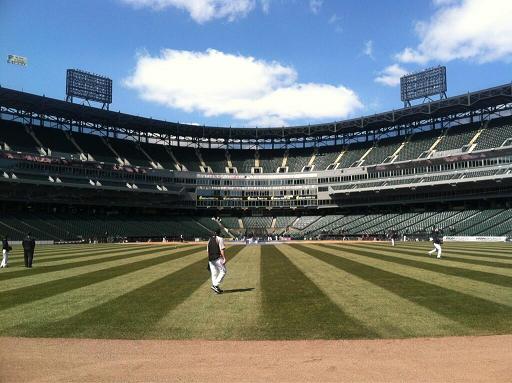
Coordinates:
[71,171]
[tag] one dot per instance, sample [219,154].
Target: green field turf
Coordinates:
[295,291]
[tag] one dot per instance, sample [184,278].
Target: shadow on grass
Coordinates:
[238,290]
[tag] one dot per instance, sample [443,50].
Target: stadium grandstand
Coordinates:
[72,172]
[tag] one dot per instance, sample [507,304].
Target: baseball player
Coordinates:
[5,252]
[216,260]
[438,240]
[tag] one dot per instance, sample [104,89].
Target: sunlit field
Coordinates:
[288,291]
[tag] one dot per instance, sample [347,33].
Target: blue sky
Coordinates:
[255,62]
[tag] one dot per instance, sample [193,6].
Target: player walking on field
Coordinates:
[438,240]
[216,260]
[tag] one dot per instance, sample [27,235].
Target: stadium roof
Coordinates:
[473,101]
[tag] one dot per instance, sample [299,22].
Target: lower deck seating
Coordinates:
[74,226]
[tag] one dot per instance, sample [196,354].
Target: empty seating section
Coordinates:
[56,141]
[215,159]
[284,221]
[159,154]
[326,156]
[70,227]
[230,223]
[187,157]
[321,223]
[257,222]
[351,155]
[305,221]
[15,136]
[502,228]
[94,145]
[495,224]
[494,137]
[471,225]
[298,158]
[457,137]
[270,160]
[426,221]
[242,160]
[55,227]
[209,223]
[382,151]
[128,150]
[417,144]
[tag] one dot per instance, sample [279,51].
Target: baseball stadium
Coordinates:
[332,273]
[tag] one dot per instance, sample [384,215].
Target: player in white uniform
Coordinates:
[216,260]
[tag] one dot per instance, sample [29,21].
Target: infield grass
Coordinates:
[289,291]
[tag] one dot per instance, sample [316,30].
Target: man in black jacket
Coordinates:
[29,245]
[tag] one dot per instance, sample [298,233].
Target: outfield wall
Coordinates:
[474,239]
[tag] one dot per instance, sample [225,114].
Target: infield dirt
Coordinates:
[453,359]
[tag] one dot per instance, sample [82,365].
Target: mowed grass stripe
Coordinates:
[68,265]
[449,258]
[232,315]
[502,248]
[34,292]
[481,315]
[133,315]
[385,313]
[38,278]
[446,254]
[449,248]
[26,319]
[50,251]
[293,307]
[71,256]
[483,290]
[435,265]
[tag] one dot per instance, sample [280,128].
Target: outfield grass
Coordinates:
[297,291]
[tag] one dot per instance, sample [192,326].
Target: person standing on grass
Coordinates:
[29,244]
[438,240]
[5,252]
[216,260]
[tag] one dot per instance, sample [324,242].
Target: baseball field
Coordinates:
[299,291]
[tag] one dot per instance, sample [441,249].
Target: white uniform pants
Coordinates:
[218,271]
[5,258]
[392,242]
[437,247]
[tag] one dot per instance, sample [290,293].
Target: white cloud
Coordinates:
[368,49]
[315,5]
[265,6]
[479,30]
[334,19]
[204,10]
[390,76]
[247,89]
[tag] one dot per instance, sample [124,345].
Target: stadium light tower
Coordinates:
[423,84]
